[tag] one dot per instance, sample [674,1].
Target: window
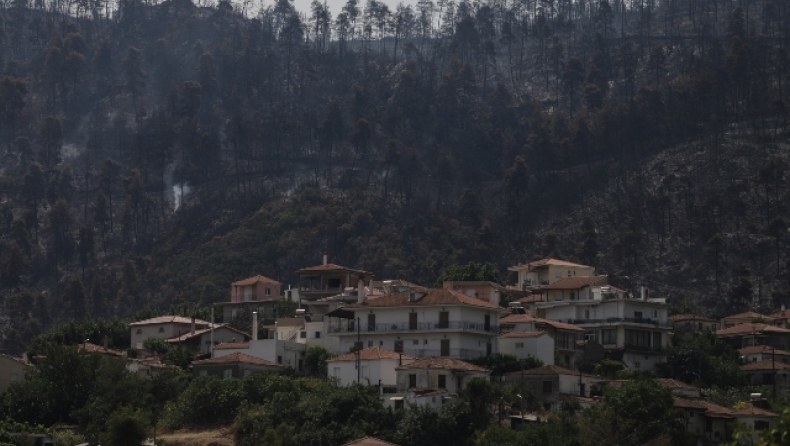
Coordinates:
[333,283]
[412,381]
[519,345]
[444,319]
[139,331]
[336,372]
[227,373]
[318,335]
[637,365]
[267,291]
[415,342]
[370,343]
[460,383]
[638,314]
[573,295]
[399,404]
[203,373]
[608,337]
[637,338]
[247,372]
[442,381]
[381,343]
[586,314]
[161,329]
[302,334]
[761,425]
[558,295]
[547,387]
[279,360]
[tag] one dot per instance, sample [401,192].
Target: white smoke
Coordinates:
[179,193]
[71,151]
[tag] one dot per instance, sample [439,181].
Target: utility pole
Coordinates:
[773,368]
[359,347]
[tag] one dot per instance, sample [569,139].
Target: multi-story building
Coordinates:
[547,271]
[433,322]
[256,293]
[566,337]
[632,329]
[328,279]
[690,323]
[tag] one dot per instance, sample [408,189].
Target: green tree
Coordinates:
[315,360]
[472,271]
[127,427]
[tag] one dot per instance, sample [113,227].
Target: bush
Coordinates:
[127,427]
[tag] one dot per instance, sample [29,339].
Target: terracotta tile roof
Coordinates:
[255,279]
[749,315]
[169,320]
[19,360]
[574,283]
[710,409]
[369,441]
[524,334]
[764,349]
[753,411]
[745,329]
[764,365]
[236,358]
[689,317]
[675,384]
[232,346]
[784,314]
[443,363]
[190,335]
[547,261]
[430,297]
[93,348]
[333,267]
[548,370]
[290,321]
[527,319]
[372,353]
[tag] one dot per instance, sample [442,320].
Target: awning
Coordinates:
[396,398]
[341,313]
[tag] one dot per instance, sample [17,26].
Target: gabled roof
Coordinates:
[548,370]
[764,349]
[711,410]
[675,384]
[689,317]
[749,315]
[93,348]
[527,319]
[429,297]
[547,262]
[290,321]
[236,358]
[754,411]
[443,363]
[524,334]
[531,299]
[332,267]
[372,353]
[255,279]
[746,329]
[767,364]
[189,335]
[369,441]
[232,346]
[573,283]
[169,320]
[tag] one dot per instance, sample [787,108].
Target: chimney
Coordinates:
[644,292]
[326,259]
[360,292]
[254,325]
[193,325]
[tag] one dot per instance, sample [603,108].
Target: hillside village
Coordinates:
[421,346]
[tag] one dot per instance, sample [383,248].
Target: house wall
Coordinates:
[541,347]
[552,274]
[429,379]
[230,310]
[258,292]
[484,292]
[371,371]
[11,371]
[221,335]
[642,361]
[289,354]
[236,370]
[465,345]
[168,330]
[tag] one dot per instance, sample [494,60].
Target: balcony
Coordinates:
[400,327]
[643,348]
[463,353]
[621,320]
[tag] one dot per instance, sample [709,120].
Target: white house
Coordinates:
[547,271]
[522,344]
[566,336]
[285,353]
[432,381]
[552,384]
[633,329]
[373,366]
[432,322]
[193,334]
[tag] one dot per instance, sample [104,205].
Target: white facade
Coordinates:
[638,326]
[548,271]
[540,347]
[463,331]
[289,354]
[371,372]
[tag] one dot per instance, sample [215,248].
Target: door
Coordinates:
[412,321]
[398,346]
[487,323]
[371,322]
[488,349]
[444,319]
[445,350]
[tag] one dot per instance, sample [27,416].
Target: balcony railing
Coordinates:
[463,353]
[392,327]
[621,320]
[644,348]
